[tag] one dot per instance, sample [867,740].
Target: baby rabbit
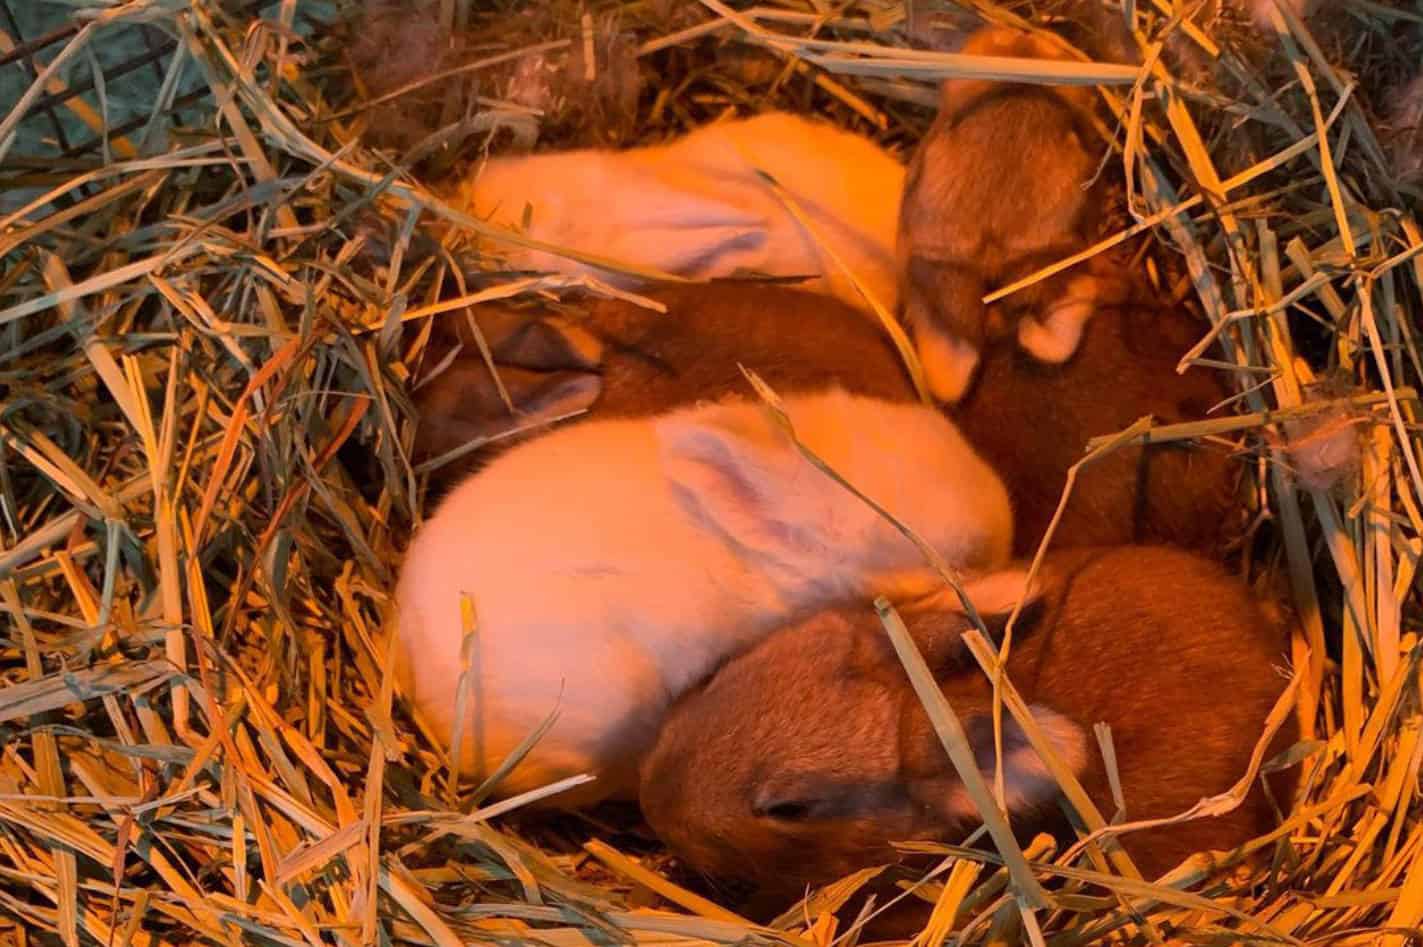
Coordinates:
[697,207]
[1031,420]
[612,564]
[618,359]
[806,756]
[998,188]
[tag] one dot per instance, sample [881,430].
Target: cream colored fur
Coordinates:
[613,564]
[696,206]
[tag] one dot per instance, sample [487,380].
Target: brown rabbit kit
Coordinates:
[1006,181]
[810,790]
[284,284]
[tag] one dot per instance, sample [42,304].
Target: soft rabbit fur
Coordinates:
[1031,420]
[999,187]
[807,755]
[617,359]
[612,564]
[697,206]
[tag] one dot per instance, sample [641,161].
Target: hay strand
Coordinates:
[215,296]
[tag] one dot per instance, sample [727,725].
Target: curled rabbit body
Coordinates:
[1001,185]
[698,206]
[612,564]
[1031,420]
[823,755]
[613,358]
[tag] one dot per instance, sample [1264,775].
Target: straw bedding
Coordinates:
[219,275]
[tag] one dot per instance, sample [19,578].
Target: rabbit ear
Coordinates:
[943,307]
[680,218]
[1028,785]
[734,471]
[937,623]
[462,404]
[689,224]
[550,345]
[554,395]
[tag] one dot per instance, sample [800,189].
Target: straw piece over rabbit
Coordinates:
[697,206]
[804,757]
[1033,420]
[612,564]
[998,188]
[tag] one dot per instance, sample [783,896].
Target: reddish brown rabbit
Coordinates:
[803,758]
[1031,420]
[1003,183]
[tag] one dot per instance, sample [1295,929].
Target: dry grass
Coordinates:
[205,484]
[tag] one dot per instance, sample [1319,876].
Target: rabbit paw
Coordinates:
[1055,337]
[948,364]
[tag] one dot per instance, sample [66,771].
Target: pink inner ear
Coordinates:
[732,469]
[1067,737]
[571,392]
[1028,782]
[723,476]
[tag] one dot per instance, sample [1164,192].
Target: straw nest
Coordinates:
[222,297]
